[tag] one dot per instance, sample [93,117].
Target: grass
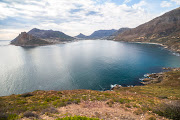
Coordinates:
[141,98]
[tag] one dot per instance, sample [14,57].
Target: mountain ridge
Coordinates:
[37,37]
[164,29]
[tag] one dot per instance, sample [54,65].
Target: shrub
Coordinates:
[152,118]
[128,105]
[138,112]
[169,110]
[77,118]
[110,103]
[49,110]
[30,114]
[26,95]
[8,116]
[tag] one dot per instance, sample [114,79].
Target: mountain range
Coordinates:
[164,30]
[99,34]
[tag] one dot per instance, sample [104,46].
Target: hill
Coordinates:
[164,29]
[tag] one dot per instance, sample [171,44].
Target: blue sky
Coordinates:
[77,16]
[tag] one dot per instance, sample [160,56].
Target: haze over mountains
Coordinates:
[99,34]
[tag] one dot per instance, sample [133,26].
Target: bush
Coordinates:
[26,95]
[8,116]
[77,118]
[49,110]
[30,114]
[152,118]
[138,112]
[169,110]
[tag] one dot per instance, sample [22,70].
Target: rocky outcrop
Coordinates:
[164,29]
[24,39]
[157,77]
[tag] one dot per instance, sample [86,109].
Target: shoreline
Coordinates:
[149,78]
[160,44]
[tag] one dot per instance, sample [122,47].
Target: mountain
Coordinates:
[50,34]
[102,34]
[121,30]
[37,37]
[25,39]
[81,36]
[164,29]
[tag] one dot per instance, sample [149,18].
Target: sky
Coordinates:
[77,16]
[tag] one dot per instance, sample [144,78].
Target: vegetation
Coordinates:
[161,98]
[77,118]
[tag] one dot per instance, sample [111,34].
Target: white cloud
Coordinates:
[127,1]
[166,4]
[10,34]
[139,5]
[58,15]
[177,1]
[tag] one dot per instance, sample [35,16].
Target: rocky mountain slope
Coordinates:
[164,29]
[50,34]
[121,30]
[25,39]
[37,37]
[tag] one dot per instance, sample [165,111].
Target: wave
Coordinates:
[176,54]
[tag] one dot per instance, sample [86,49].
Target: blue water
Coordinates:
[88,64]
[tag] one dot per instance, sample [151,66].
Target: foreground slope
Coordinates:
[164,29]
[153,101]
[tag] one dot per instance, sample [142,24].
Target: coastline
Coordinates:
[176,51]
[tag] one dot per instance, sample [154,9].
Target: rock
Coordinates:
[116,87]
[146,79]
